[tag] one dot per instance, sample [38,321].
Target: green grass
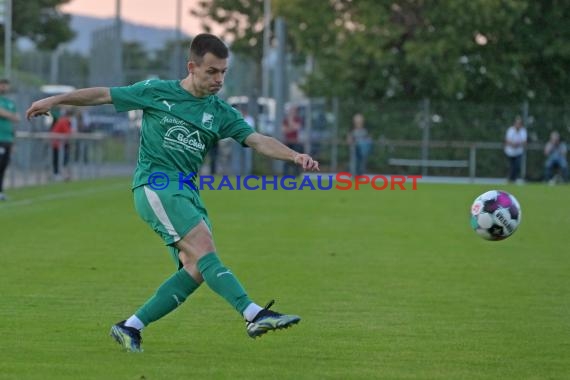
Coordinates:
[390,285]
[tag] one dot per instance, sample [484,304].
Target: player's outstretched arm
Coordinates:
[91,96]
[12,116]
[271,147]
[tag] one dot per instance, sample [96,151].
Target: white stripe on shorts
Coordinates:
[160,212]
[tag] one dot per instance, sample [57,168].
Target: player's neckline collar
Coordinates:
[194,97]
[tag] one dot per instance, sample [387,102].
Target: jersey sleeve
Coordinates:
[133,97]
[236,128]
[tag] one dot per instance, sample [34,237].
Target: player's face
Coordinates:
[208,76]
[4,88]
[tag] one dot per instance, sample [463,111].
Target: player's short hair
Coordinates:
[4,81]
[207,43]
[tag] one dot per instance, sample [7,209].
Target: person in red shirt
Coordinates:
[60,147]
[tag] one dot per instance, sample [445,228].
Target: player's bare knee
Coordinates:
[196,244]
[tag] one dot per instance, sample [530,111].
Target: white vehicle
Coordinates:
[265,112]
[55,89]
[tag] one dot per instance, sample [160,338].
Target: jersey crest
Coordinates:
[207,120]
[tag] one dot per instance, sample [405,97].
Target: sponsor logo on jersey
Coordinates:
[173,121]
[181,139]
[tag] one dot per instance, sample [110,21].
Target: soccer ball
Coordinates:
[495,215]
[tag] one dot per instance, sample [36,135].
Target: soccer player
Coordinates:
[182,119]
[8,116]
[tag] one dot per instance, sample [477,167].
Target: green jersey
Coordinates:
[178,128]
[6,128]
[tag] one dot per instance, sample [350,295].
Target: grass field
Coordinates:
[390,285]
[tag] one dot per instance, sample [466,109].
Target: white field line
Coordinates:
[63,195]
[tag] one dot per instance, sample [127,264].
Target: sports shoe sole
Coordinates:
[262,328]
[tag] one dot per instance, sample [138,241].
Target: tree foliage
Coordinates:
[242,21]
[411,49]
[41,22]
[448,49]
[243,27]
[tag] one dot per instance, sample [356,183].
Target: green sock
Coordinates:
[223,282]
[171,294]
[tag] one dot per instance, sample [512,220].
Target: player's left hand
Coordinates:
[306,162]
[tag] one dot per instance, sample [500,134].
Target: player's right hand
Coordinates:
[39,108]
[306,162]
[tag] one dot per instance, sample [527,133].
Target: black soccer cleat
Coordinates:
[128,337]
[267,320]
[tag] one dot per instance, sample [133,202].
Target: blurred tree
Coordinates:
[73,69]
[140,63]
[243,26]
[242,22]
[41,22]
[446,49]
[170,61]
[411,49]
[136,61]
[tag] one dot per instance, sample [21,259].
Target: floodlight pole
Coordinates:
[280,72]
[8,39]
[178,48]
[266,47]
[54,64]
[525,117]
[279,88]
[118,72]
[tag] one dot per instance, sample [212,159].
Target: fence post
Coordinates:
[334,140]
[525,124]
[472,162]
[308,127]
[425,125]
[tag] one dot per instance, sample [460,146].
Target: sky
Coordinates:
[160,13]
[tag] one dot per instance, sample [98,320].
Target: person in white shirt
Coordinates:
[515,143]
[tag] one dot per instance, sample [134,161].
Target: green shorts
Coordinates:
[171,212]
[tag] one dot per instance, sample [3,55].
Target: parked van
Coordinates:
[265,112]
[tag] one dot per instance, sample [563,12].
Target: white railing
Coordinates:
[468,159]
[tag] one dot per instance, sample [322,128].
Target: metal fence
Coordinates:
[427,138]
[451,139]
[469,160]
[79,156]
